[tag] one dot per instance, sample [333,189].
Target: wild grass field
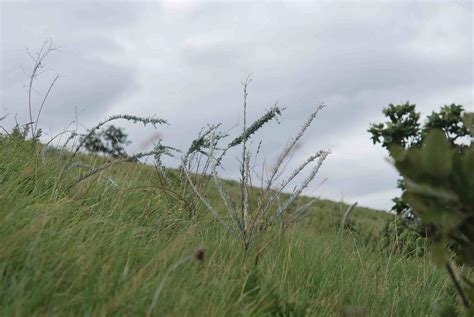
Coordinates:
[128,248]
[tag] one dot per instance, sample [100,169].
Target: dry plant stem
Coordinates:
[457,285]
[42,104]
[150,120]
[5,130]
[268,201]
[197,162]
[346,215]
[243,173]
[281,210]
[289,147]
[230,206]
[246,222]
[255,126]
[1,127]
[202,141]
[300,210]
[163,176]
[215,214]
[281,158]
[306,182]
[58,135]
[45,49]
[116,162]
[285,183]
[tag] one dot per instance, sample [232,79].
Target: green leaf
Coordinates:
[468,119]
[397,153]
[439,255]
[437,155]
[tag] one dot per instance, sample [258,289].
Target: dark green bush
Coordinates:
[440,188]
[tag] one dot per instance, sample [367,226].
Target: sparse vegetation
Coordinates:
[154,241]
[254,210]
[403,129]
[440,188]
[110,142]
[100,250]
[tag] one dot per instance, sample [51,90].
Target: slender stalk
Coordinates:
[42,104]
[346,215]
[457,285]
[243,173]
[38,60]
[149,120]
[245,222]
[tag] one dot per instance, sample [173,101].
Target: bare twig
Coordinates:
[41,55]
[42,104]
[149,120]
[243,174]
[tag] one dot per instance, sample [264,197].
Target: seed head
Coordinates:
[199,255]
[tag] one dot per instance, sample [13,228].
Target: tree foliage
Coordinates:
[110,141]
[403,129]
[437,171]
[440,189]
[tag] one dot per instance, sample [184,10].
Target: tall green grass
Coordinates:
[99,250]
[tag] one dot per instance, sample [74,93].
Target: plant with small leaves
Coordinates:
[89,138]
[403,129]
[440,189]
[110,141]
[254,210]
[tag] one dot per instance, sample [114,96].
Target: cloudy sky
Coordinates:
[184,61]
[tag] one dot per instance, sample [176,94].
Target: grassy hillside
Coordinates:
[99,249]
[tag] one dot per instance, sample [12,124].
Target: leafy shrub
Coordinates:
[396,237]
[109,141]
[440,188]
[403,129]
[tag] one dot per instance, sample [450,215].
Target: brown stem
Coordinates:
[458,287]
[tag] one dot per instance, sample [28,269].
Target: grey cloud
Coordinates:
[184,61]
[87,81]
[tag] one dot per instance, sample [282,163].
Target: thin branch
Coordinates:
[229,204]
[216,215]
[288,148]
[457,285]
[115,162]
[42,104]
[149,120]
[243,174]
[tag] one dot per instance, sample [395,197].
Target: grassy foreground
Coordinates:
[99,250]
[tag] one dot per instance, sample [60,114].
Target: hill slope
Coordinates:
[129,249]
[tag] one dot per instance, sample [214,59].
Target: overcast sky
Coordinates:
[184,61]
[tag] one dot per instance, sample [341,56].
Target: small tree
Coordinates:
[403,129]
[437,181]
[158,150]
[440,188]
[109,141]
